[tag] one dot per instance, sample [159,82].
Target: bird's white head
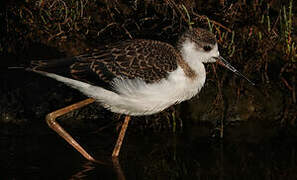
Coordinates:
[200,46]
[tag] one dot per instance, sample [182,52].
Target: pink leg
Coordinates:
[52,123]
[118,145]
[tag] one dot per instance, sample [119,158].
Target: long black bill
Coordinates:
[226,64]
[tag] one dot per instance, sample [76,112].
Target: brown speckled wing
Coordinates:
[145,59]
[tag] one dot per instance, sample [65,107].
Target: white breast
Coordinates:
[139,98]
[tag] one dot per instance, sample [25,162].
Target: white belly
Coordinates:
[135,97]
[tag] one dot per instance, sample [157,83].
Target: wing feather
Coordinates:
[143,59]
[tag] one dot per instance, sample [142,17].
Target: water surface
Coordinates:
[38,153]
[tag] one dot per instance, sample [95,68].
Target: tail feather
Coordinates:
[71,67]
[101,95]
[56,66]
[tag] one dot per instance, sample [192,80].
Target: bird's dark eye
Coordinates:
[206,48]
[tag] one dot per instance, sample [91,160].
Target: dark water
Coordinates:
[28,153]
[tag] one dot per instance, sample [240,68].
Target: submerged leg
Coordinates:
[52,123]
[118,145]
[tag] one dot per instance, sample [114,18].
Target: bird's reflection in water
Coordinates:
[118,168]
[89,169]
[86,169]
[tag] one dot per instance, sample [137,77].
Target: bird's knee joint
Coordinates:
[50,119]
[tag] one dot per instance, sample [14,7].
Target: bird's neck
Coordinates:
[192,60]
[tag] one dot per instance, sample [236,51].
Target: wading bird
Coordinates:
[135,77]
